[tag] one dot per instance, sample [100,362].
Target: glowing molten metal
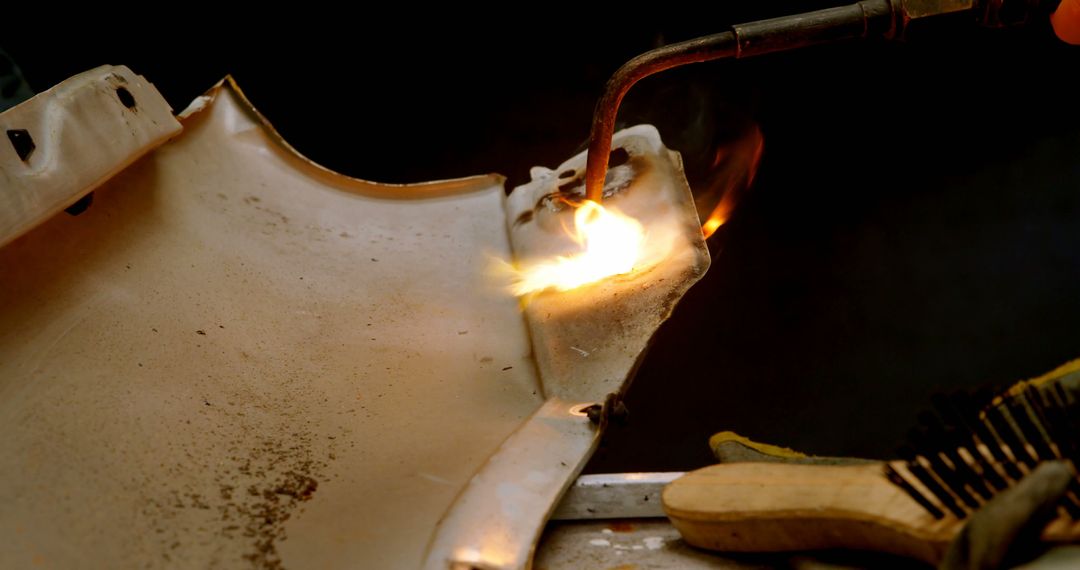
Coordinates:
[611,244]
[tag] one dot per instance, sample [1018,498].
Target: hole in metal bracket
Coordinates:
[22,142]
[125,97]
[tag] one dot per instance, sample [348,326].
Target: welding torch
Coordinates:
[889,19]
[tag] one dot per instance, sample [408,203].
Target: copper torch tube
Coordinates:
[833,24]
[603,125]
[884,18]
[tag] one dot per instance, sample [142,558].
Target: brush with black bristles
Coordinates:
[973,448]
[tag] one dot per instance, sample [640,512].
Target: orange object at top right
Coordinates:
[1066,21]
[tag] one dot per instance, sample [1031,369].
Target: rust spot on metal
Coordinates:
[524,218]
[621,526]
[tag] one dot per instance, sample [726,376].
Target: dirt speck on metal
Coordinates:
[262,482]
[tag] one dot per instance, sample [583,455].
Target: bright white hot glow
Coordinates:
[611,244]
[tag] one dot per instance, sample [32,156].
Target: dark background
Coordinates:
[914,225]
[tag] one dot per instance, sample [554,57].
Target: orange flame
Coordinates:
[734,168]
